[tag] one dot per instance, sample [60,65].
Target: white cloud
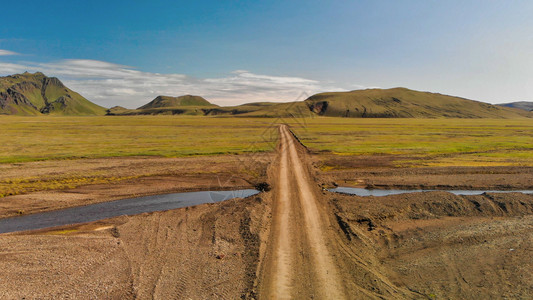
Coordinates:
[7,52]
[8,68]
[111,84]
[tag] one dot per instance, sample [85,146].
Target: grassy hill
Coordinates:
[37,94]
[166,101]
[165,105]
[525,105]
[404,103]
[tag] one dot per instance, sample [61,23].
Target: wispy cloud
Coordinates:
[110,84]
[7,52]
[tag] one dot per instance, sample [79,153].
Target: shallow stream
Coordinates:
[104,210]
[378,193]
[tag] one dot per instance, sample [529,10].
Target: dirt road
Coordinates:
[299,262]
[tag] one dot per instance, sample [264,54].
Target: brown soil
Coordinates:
[204,252]
[441,246]
[296,241]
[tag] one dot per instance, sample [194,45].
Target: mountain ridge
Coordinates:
[368,103]
[37,94]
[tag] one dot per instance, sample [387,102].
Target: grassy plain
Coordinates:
[406,142]
[26,139]
[427,141]
[70,148]
[424,142]
[444,142]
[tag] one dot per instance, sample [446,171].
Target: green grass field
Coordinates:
[410,142]
[444,142]
[47,138]
[429,142]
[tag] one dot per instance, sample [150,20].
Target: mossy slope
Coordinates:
[37,94]
[404,103]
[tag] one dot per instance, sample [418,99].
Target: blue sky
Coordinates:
[127,52]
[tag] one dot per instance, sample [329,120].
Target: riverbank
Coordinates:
[51,185]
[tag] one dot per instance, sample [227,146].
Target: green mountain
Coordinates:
[165,105]
[37,94]
[404,103]
[525,105]
[166,101]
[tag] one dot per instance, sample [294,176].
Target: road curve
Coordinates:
[299,262]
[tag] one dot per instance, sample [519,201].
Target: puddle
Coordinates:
[133,206]
[378,193]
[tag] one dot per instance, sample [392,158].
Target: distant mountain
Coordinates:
[525,105]
[37,94]
[186,100]
[165,105]
[118,110]
[404,103]
[370,103]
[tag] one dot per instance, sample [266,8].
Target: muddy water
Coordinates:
[117,208]
[378,193]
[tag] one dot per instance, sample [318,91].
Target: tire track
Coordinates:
[283,279]
[330,285]
[300,263]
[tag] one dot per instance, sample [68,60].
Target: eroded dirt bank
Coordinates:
[203,252]
[442,246]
